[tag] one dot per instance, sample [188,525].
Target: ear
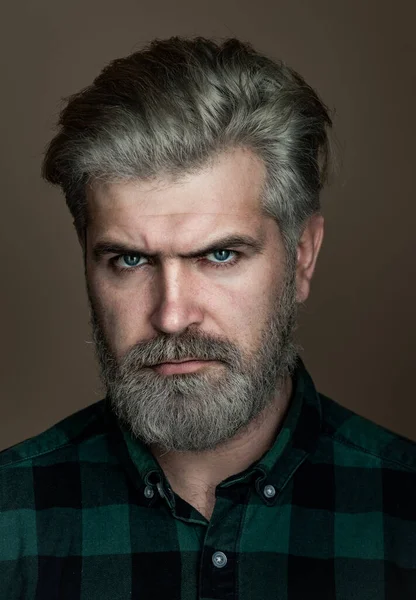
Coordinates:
[307,253]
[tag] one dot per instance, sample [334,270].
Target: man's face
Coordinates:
[230,306]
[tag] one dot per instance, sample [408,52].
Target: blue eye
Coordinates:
[221,255]
[130,260]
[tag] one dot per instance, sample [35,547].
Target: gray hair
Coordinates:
[171,107]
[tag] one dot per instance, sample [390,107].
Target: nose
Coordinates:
[175,306]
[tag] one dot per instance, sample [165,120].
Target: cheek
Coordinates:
[249,309]
[128,323]
[121,313]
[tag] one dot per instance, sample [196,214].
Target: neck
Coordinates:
[195,475]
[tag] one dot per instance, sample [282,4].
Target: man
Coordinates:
[213,469]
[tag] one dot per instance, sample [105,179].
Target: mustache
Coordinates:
[186,346]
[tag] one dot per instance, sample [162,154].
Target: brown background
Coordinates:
[358,328]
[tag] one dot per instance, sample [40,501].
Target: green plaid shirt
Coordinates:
[329,512]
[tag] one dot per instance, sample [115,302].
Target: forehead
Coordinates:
[224,194]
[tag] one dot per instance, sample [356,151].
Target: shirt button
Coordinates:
[219,559]
[149,492]
[269,491]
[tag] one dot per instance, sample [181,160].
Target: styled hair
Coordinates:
[169,108]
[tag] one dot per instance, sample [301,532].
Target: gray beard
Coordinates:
[198,411]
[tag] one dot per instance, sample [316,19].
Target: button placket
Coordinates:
[219,558]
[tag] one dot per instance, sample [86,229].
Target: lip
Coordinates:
[181,366]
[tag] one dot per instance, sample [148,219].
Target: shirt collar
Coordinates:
[295,440]
[297,437]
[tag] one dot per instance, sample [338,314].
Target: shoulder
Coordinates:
[360,436]
[81,427]
[41,482]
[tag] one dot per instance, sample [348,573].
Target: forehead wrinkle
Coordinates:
[132,227]
[198,202]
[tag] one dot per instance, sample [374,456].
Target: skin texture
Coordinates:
[169,295]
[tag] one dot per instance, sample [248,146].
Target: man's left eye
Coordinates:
[221,255]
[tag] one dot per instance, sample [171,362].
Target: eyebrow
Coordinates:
[104,247]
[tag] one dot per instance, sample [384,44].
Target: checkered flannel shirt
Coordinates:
[329,512]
